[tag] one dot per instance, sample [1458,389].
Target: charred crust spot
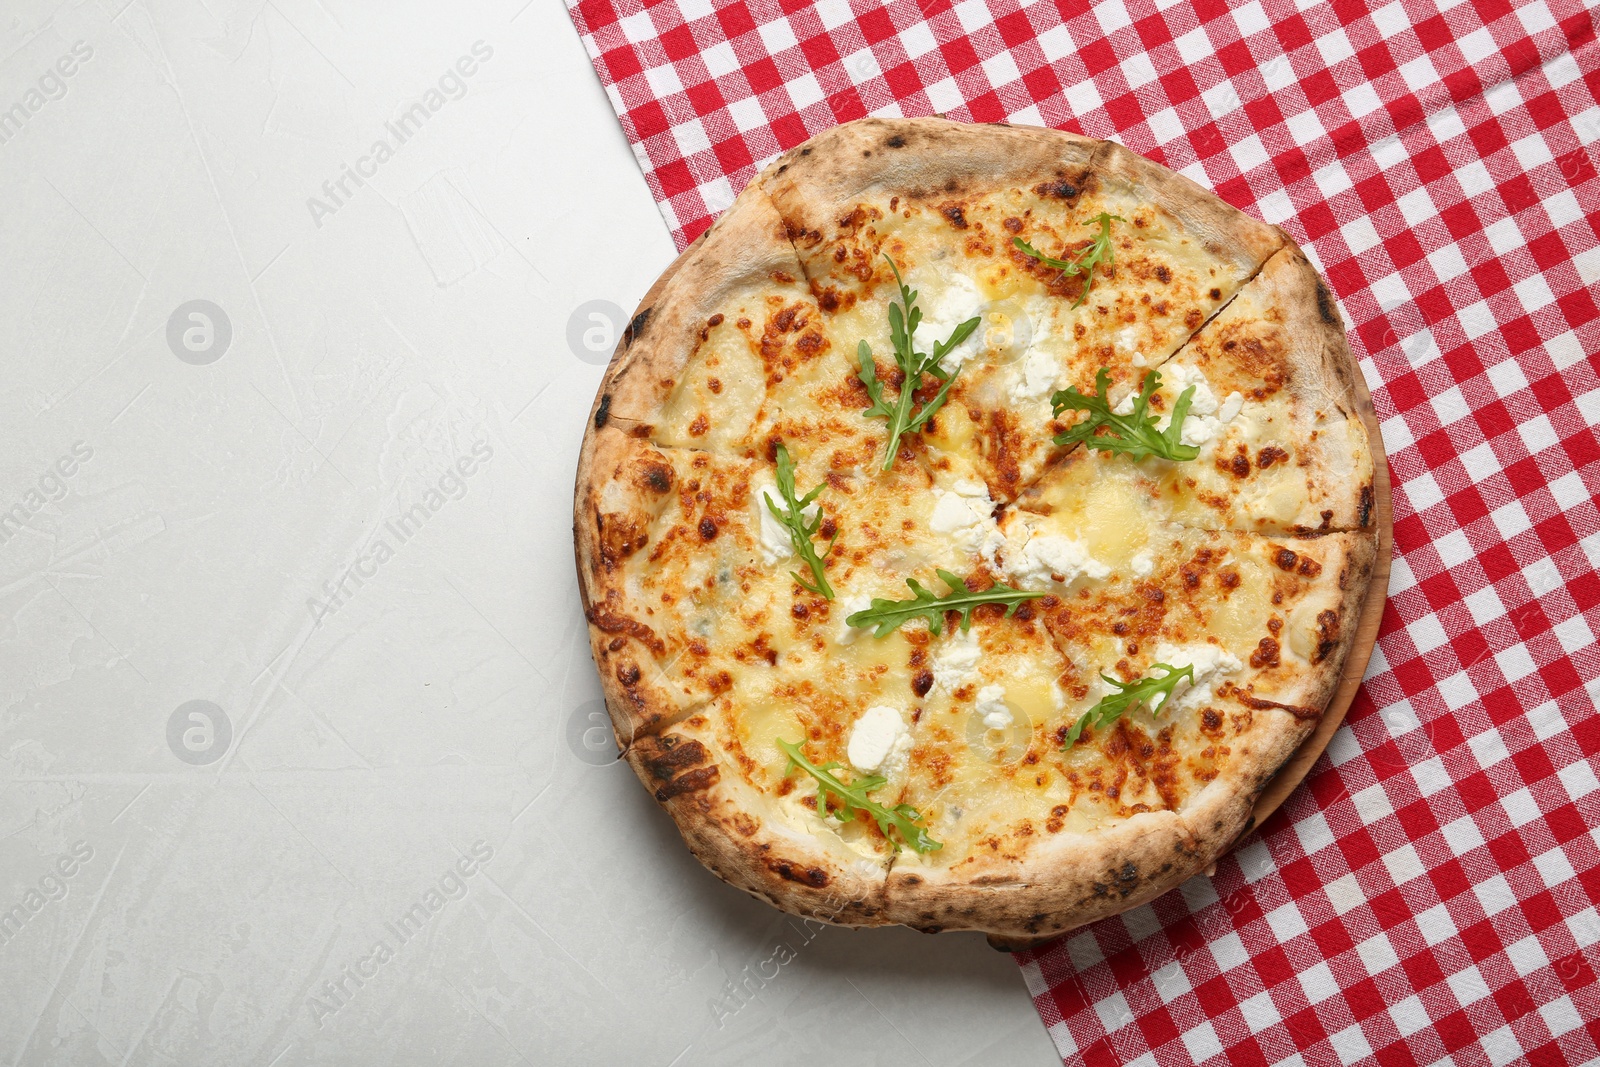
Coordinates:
[1060,189]
[1308,568]
[708,529]
[1237,464]
[1285,559]
[1215,294]
[1327,634]
[1269,455]
[602,412]
[612,623]
[657,477]
[620,537]
[1265,655]
[1124,880]
[690,782]
[628,674]
[1326,310]
[674,755]
[896,141]
[635,327]
[1365,515]
[1164,275]
[955,213]
[922,683]
[815,877]
[1250,700]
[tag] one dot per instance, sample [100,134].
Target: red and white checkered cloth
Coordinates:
[1431,892]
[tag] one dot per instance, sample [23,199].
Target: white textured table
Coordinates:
[297,749]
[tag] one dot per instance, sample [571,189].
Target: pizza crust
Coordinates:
[729,269]
[1227,233]
[615,505]
[738,831]
[1283,333]
[740,835]
[1074,879]
[821,182]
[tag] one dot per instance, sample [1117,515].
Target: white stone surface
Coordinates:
[397,683]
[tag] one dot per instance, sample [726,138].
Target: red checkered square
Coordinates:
[1431,892]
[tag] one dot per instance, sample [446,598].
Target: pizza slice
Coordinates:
[1276,412]
[706,568]
[672,578]
[1175,695]
[739,821]
[973,254]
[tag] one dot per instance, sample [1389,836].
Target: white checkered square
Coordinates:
[1286,922]
[1560,1016]
[1435,925]
[1350,1044]
[1410,1016]
[1202,1042]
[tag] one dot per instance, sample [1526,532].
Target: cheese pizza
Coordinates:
[970,524]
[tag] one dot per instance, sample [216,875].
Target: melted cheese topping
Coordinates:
[1143,562]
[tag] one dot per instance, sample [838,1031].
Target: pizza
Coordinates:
[969,526]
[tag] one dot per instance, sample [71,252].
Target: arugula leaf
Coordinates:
[886,615]
[801,529]
[1100,251]
[1133,434]
[1131,695]
[852,798]
[913,364]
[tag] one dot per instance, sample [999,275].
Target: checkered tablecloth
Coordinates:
[1430,893]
